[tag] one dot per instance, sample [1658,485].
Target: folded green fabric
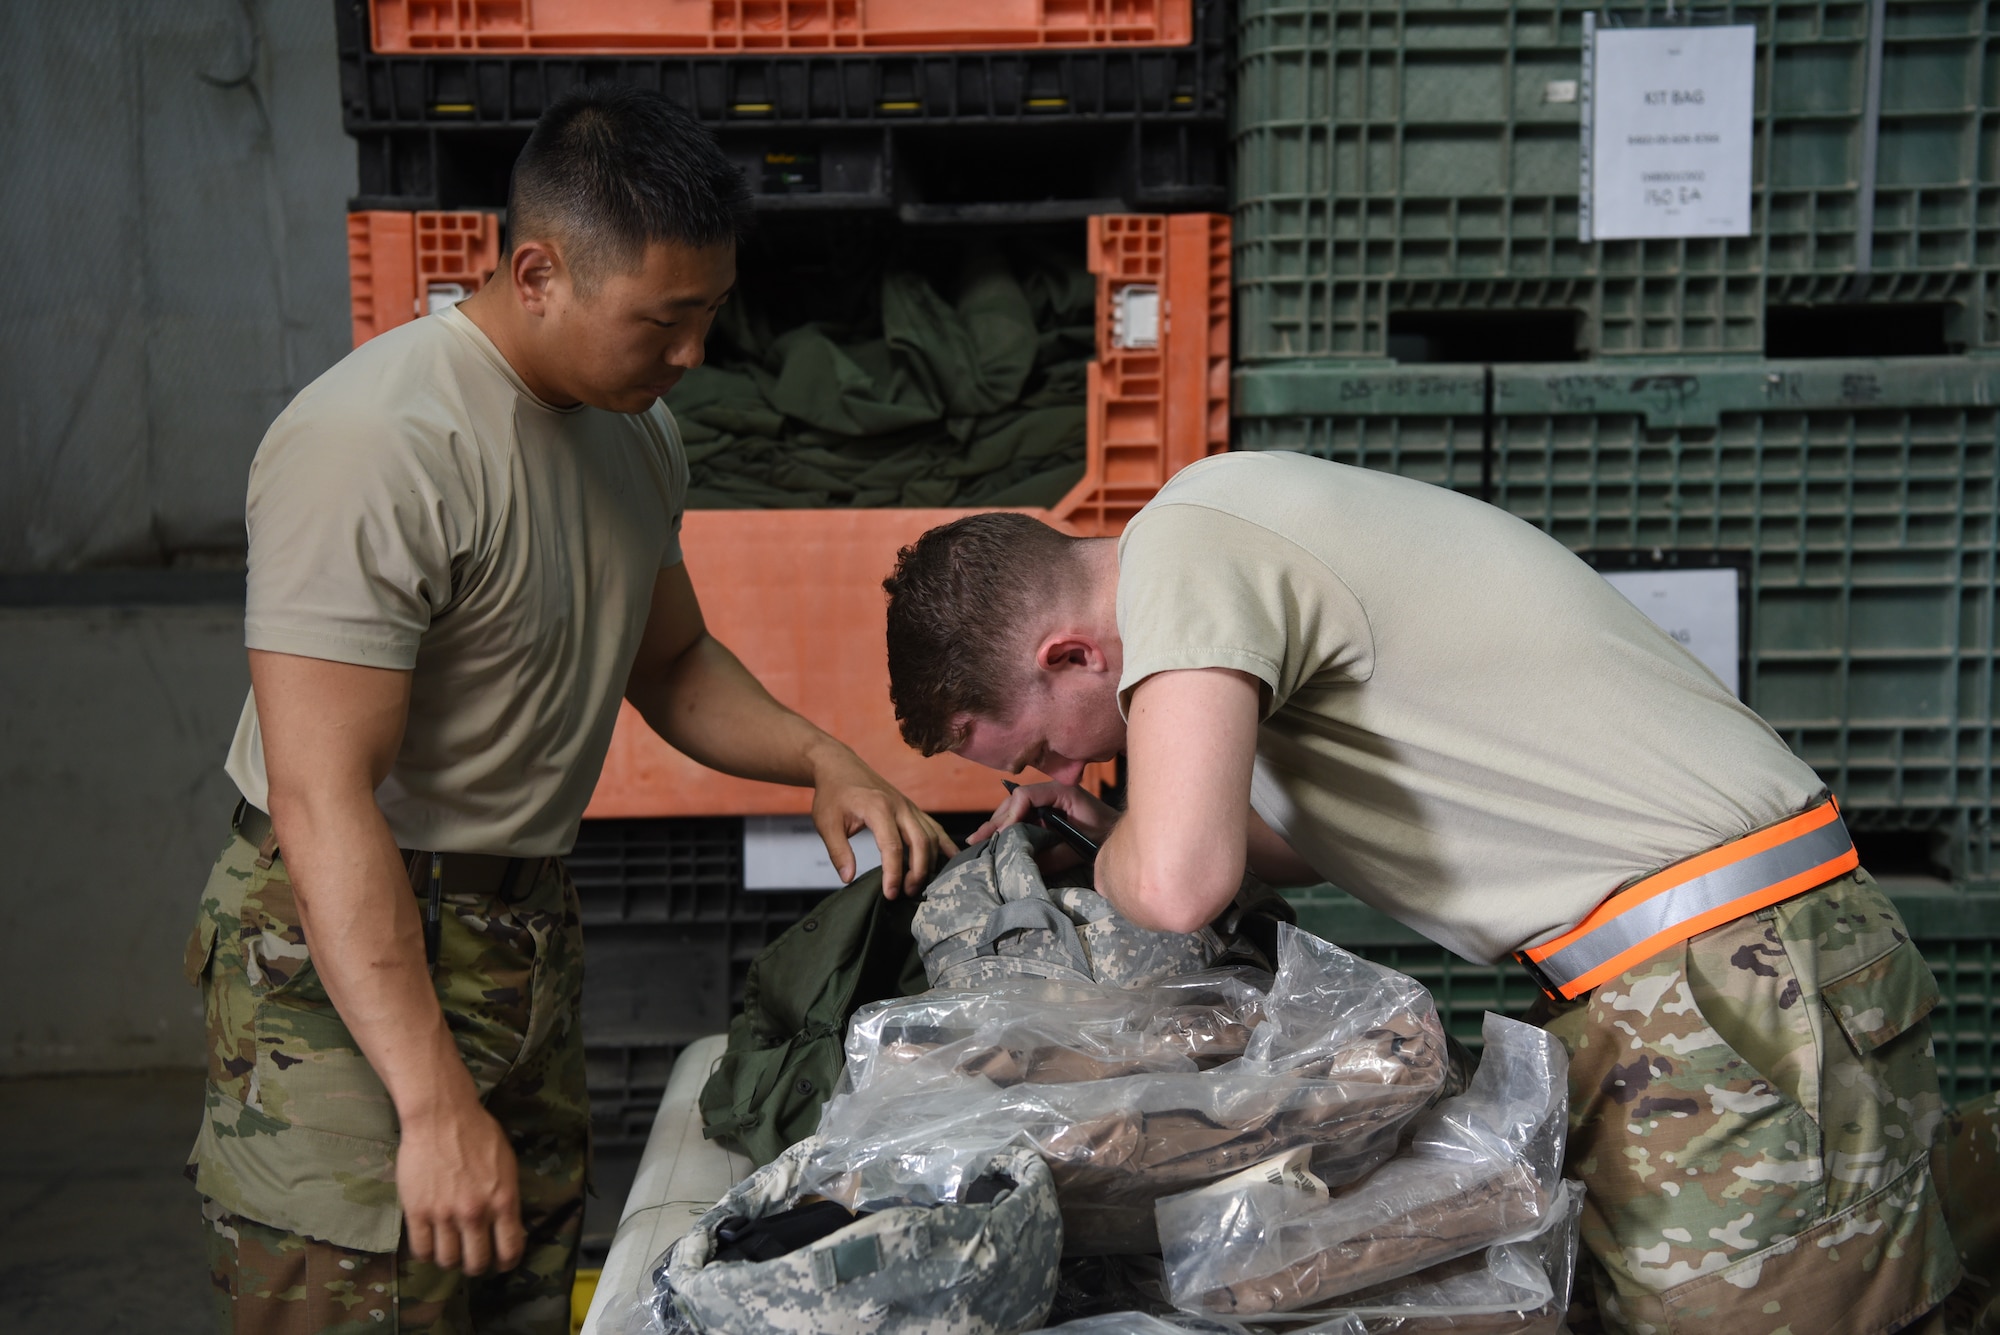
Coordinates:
[917,401]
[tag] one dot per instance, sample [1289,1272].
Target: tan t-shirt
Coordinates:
[417,507]
[1467,728]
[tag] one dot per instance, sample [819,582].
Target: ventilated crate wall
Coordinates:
[762,25]
[1866,497]
[1966,1024]
[1399,157]
[669,934]
[1427,423]
[1864,494]
[917,133]
[402,265]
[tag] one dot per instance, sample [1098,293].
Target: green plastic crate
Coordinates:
[1959,934]
[1429,423]
[1415,155]
[1863,493]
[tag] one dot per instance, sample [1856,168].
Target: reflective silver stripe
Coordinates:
[1712,890]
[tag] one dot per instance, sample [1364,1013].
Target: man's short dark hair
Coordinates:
[610,170]
[961,600]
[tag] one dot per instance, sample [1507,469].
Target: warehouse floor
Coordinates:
[99,1232]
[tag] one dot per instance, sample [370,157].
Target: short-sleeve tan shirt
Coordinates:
[1466,726]
[417,507]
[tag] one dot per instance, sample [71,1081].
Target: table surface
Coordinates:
[681,1174]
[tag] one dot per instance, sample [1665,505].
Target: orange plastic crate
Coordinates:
[797,594]
[1153,410]
[405,27]
[399,264]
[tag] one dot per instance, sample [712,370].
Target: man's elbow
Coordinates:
[1166,903]
[1181,918]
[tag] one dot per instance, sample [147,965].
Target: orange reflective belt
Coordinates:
[1686,899]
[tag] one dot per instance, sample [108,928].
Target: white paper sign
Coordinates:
[1670,132]
[786,853]
[1697,608]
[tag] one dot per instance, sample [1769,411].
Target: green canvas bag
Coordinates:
[784,1052]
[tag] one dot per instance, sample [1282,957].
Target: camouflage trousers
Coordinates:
[1752,1113]
[296,1155]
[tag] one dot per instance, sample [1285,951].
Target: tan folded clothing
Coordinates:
[1451,1221]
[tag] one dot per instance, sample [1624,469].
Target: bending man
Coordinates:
[1322,672]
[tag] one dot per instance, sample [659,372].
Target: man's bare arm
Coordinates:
[331,732]
[704,703]
[1176,859]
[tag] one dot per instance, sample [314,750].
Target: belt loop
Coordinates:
[267,848]
[1538,978]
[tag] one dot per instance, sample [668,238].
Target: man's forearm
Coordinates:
[708,707]
[366,942]
[1177,858]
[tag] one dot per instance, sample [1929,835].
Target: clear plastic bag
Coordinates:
[1519,1287]
[1341,1055]
[1044,1031]
[1182,1323]
[1481,1168]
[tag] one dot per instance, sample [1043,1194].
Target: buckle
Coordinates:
[1538,977]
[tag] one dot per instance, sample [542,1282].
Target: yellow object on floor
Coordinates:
[580,1294]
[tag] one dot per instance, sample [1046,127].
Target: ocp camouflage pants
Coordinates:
[267,1281]
[1752,1112]
[296,1154]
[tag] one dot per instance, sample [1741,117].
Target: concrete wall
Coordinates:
[112,805]
[173,246]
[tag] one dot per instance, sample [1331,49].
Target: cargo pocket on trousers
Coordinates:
[1883,999]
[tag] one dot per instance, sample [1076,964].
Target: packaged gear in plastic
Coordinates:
[989,916]
[770,1257]
[1176,1323]
[1046,1032]
[1517,1287]
[1107,1088]
[1480,1169]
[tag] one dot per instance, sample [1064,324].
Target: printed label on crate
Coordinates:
[786,853]
[1668,133]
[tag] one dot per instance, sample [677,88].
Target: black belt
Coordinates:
[480,875]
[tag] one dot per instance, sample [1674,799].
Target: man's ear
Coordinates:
[534,267]
[1063,650]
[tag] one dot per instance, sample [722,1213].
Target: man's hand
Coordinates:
[1092,817]
[706,705]
[849,797]
[459,1187]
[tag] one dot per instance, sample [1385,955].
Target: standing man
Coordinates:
[1331,673]
[464,548]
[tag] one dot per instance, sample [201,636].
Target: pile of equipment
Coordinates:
[1225,1148]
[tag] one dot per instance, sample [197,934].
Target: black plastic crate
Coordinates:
[669,933]
[1184,82]
[938,136]
[668,936]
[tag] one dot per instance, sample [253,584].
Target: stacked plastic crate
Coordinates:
[1413,293]
[1100,122]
